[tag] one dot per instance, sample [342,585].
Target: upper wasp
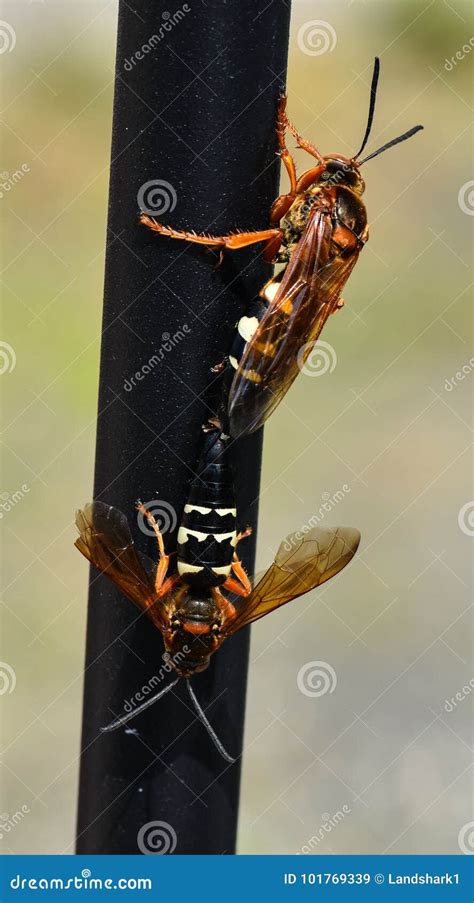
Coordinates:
[317,230]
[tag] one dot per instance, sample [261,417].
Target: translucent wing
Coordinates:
[105,540]
[308,294]
[301,564]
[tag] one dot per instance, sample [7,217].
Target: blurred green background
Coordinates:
[379,427]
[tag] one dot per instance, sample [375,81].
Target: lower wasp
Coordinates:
[209,596]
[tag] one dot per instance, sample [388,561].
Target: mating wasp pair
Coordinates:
[317,230]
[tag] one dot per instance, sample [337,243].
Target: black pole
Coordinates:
[195,100]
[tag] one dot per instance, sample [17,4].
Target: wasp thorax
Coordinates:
[197,608]
[340,171]
[294,223]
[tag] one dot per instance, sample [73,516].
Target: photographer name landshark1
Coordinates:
[447,878]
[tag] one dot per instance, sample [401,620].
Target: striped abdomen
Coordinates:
[207,535]
[245,330]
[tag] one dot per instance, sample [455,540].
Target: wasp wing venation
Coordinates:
[260,380]
[309,292]
[302,563]
[105,540]
[331,548]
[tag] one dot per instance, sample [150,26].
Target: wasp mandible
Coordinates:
[317,230]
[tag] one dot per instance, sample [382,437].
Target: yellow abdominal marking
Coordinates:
[252,375]
[270,289]
[286,307]
[267,348]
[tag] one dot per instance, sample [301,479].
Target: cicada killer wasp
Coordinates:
[317,230]
[191,606]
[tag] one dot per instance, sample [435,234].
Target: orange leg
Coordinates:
[151,520]
[303,143]
[282,123]
[284,202]
[237,565]
[235,587]
[226,607]
[313,174]
[232,242]
[242,577]
[240,586]
[272,247]
[243,534]
[309,177]
[162,585]
[167,585]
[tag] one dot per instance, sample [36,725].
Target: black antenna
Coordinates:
[392,143]
[210,730]
[124,719]
[373,94]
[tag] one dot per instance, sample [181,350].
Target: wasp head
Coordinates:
[193,635]
[340,170]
